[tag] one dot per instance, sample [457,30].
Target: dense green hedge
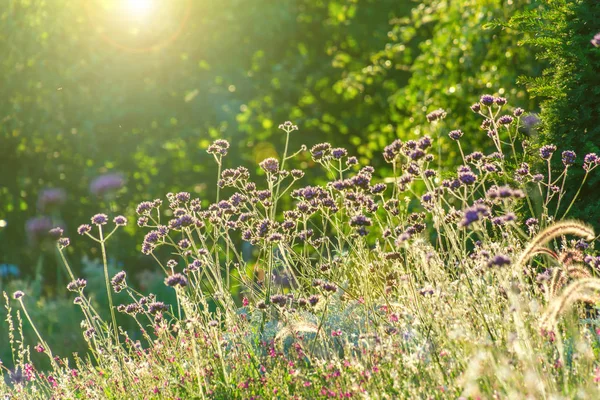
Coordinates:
[559,32]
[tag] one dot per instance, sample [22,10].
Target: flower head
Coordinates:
[120,220]
[270,165]
[568,157]
[105,184]
[83,229]
[455,135]
[176,280]
[596,40]
[436,115]
[547,151]
[51,198]
[487,100]
[99,219]
[219,146]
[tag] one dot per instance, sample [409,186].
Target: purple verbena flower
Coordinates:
[38,228]
[105,184]
[499,260]
[568,158]
[436,115]
[339,152]
[51,198]
[505,120]
[456,134]
[176,280]
[120,220]
[547,151]
[270,165]
[487,100]
[99,219]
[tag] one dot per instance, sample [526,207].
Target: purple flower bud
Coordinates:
[547,151]
[99,219]
[455,135]
[83,229]
[55,233]
[339,153]
[176,280]
[120,220]
[51,198]
[270,165]
[499,261]
[105,184]
[487,100]
[436,115]
[18,294]
[596,40]
[568,158]
[505,120]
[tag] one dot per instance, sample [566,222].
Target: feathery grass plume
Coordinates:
[560,278]
[553,231]
[557,282]
[544,250]
[579,271]
[294,328]
[587,289]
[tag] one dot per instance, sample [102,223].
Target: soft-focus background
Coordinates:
[104,103]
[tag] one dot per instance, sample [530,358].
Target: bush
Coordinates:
[560,34]
[346,294]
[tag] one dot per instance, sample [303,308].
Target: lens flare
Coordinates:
[139,8]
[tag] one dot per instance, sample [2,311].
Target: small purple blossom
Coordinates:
[596,40]
[118,281]
[51,198]
[505,120]
[219,146]
[83,229]
[120,220]
[487,100]
[499,261]
[436,115]
[456,134]
[270,165]
[568,158]
[339,152]
[105,184]
[38,229]
[474,214]
[176,280]
[99,219]
[18,294]
[547,151]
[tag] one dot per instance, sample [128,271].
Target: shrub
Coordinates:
[347,294]
[561,34]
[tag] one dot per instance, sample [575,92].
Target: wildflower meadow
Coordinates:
[449,260]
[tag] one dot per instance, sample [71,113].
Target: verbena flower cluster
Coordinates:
[422,283]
